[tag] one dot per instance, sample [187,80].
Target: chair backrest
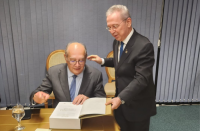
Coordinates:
[110,89]
[109,70]
[56,57]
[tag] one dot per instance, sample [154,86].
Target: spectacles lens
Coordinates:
[72,62]
[108,28]
[115,26]
[81,62]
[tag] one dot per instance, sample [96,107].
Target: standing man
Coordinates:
[72,81]
[134,102]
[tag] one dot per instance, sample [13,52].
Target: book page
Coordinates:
[67,110]
[93,106]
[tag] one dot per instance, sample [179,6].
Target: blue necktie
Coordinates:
[73,87]
[121,49]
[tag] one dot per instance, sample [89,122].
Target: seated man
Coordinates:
[71,82]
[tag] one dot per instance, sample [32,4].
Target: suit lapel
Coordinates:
[116,45]
[63,77]
[128,49]
[85,81]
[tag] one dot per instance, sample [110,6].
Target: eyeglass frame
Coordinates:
[75,61]
[107,28]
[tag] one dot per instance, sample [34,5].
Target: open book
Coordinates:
[67,115]
[92,107]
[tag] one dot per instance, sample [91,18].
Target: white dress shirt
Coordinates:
[78,81]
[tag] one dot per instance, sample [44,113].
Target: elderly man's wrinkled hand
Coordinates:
[80,99]
[116,102]
[40,97]
[95,58]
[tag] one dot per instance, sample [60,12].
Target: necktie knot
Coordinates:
[122,43]
[74,76]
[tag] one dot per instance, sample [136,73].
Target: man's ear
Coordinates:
[65,58]
[129,22]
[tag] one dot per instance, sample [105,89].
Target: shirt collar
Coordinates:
[70,74]
[125,41]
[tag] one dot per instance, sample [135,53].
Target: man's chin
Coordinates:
[77,72]
[117,38]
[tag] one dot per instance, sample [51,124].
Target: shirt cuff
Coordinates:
[103,61]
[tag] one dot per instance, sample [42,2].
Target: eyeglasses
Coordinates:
[114,27]
[73,62]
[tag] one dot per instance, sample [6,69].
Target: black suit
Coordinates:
[57,81]
[134,79]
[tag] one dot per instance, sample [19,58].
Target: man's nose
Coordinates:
[112,31]
[77,63]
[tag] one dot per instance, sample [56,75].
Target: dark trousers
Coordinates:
[130,126]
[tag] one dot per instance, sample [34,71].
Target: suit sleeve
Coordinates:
[109,62]
[99,89]
[143,76]
[46,87]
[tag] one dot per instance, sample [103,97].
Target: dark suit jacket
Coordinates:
[134,78]
[57,81]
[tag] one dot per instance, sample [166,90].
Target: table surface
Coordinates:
[40,119]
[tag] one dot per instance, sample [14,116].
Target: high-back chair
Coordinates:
[110,86]
[110,70]
[56,57]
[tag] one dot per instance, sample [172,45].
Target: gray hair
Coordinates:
[120,8]
[72,43]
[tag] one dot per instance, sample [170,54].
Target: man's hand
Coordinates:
[40,97]
[95,58]
[116,102]
[80,99]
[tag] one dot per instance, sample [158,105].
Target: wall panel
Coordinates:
[179,54]
[32,29]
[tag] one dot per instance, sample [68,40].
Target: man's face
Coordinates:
[76,60]
[123,26]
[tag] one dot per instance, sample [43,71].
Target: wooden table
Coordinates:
[40,119]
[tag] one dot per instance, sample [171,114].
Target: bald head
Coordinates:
[75,47]
[75,55]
